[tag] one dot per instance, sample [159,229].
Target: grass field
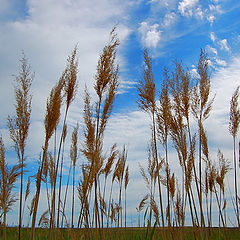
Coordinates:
[128,233]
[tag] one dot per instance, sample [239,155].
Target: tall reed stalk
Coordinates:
[19,124]
[201,108]
[147,103]
[69,78]
[106,84]
[164,121]
[233,129]
[60,181]
[51,121]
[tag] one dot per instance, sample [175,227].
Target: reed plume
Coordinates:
[141,206]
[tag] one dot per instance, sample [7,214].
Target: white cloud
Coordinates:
[211,50]
[211,18]
[194,72]
[150,34]
[125,86]
[213,36]
[169,19]
[192,8]
[221,62]
[74,12]
[215,60]
[186,7]
[169,4]
[215,8]
[224,45]
[199,13]
[212,11]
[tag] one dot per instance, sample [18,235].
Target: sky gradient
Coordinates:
[47,31]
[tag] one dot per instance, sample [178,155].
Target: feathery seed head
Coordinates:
[234,114]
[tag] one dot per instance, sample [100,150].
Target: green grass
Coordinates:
[126,234]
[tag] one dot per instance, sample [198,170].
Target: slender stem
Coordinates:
[59,191]
[104,190]
[125,209]
[235,179]
[219,207]
[39,179]
[200,170]
[109,204]
[73,198]
[65,197]
[20,202]
[194,171]
[52,216]
[158,175]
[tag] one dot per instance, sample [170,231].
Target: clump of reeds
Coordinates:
[91,191]
[69,79]
[51,121]
[179,97]
[8,178]
[65,88]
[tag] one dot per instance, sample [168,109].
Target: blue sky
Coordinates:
[48,30]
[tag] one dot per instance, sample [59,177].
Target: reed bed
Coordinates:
[101,213]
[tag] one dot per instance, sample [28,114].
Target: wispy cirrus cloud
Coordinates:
[169,19]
